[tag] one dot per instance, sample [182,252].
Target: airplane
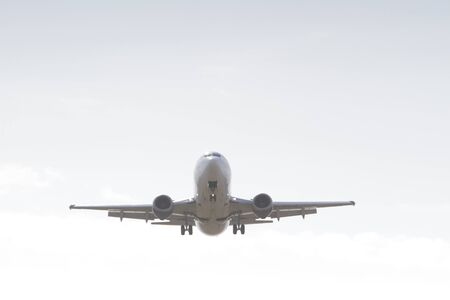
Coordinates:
[213,209]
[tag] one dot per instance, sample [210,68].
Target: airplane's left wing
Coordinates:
[243,211]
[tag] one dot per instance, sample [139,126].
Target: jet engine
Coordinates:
[262,205]
[162,207]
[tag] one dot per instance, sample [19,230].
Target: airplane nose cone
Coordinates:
[213,165]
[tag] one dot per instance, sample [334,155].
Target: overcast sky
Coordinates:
[114,101]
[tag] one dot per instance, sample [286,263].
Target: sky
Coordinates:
[112,102]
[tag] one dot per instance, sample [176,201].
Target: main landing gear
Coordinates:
[187,228]
[240,228]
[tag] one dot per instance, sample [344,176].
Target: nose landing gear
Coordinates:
[187,228]
[212,185]
[240,228]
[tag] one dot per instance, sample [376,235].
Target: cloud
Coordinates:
[91,256]
[82,104]
[108,194]
[17,177]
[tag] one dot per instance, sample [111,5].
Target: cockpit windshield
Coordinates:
[212,154]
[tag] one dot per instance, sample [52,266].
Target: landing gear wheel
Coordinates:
[183,230]
[190,229]
[235,229]
[242,229]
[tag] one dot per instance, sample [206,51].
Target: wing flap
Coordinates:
[131,215]
[234,221]
[277,214]
[175,222]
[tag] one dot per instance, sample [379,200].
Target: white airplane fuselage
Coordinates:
[212,194]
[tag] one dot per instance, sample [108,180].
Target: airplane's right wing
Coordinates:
[183,212]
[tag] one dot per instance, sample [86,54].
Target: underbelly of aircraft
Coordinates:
[212,227]
[212,214]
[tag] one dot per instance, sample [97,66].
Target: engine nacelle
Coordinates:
[262,205]
[162,207]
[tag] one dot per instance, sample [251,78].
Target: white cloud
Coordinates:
[91,257]
[16,177]
[108,194]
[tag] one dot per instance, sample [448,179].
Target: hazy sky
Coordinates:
[113,102]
